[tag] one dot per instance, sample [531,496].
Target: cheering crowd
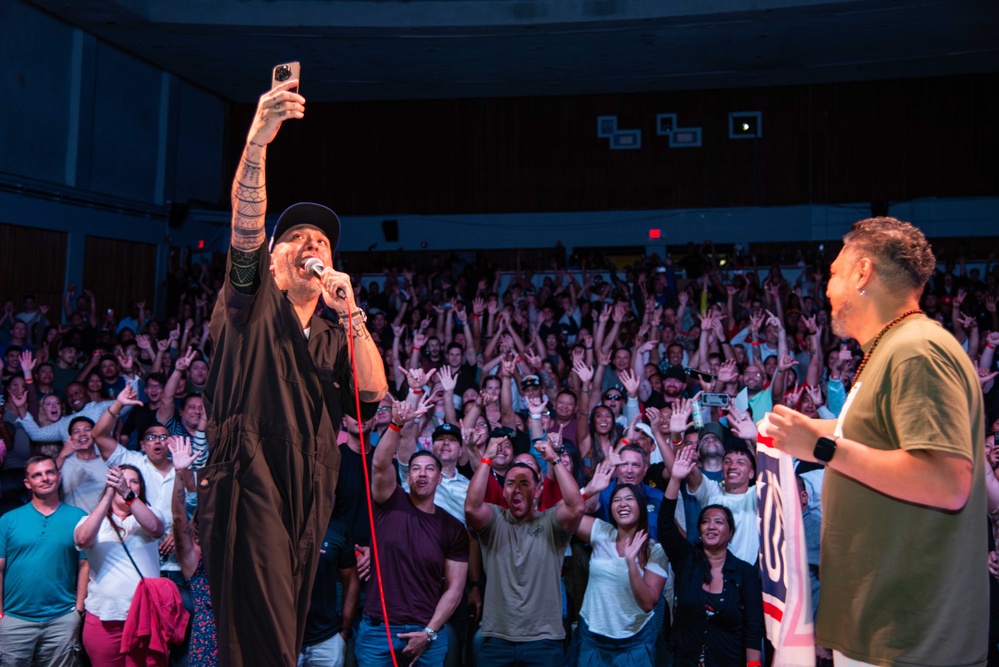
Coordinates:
[523,470]
[625,401]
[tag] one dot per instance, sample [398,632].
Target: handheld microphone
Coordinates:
[314,266]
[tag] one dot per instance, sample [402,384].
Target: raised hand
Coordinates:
[27,361]
[601,478]
[684,463]
[447,379]
[584,372]
[728,371]
[536,406]
[634,546]
[680,420]
[774,320]
[654,417]
[630,381]
[741,424]
[532,358]
[274,107]
[815,394]
[416,378]
[184,361]
[786,362]
[143,343]
[181,453]
[128,395]
[620,311]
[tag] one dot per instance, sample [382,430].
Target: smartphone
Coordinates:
[714,400]
[694,373]
[286,72]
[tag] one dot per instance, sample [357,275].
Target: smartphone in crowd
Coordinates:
[694,373]
[711,400]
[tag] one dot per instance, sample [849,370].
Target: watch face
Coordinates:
[824,450]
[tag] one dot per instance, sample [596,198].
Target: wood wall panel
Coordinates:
[32,261]
[119,273]
[836,143]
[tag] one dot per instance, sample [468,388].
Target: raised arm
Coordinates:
[249,192]
[569,512]
[103,429]
[182,456]
[477,512]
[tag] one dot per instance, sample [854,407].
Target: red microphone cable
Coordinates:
[367,488]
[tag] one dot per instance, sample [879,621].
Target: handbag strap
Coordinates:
[127,552]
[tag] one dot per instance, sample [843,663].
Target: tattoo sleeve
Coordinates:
[249,207]
[249,201]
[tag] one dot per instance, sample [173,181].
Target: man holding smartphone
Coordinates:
[279,385]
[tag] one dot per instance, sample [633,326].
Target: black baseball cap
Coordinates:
[446,429]
[308,213]
[530,381]
[674,373]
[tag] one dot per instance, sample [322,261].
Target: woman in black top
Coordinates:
[719,601]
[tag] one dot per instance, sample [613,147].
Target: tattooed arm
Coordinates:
[249,192]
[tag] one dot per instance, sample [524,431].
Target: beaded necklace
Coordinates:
[877,339]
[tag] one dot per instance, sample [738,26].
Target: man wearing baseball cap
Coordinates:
[453,487]
[279,384]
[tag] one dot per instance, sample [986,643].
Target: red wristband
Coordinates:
[988,345]
[624,441]
[754,663]
[29,380]
[585,495]
[417,391]
[486,461]
[416,349]
[395,427]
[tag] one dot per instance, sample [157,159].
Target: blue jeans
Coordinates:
[372,649]
[498,652]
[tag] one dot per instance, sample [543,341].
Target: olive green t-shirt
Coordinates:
[523,562]
[902,583]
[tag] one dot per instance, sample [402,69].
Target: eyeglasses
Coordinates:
[384,408]
[612,397]
[153,437]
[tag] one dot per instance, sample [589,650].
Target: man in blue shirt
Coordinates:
[631,470]
[43,578]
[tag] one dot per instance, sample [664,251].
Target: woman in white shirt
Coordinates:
[121,514]
[627,576]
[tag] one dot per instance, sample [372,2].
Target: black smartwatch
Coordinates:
[825,449]
[129,497]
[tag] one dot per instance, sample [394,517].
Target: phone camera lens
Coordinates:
[282,73]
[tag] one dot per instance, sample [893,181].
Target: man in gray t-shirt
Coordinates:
[522,551]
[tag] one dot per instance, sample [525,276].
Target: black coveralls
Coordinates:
[274,400]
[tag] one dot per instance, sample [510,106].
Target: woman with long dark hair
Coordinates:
[719,600]
[627,576]
[121,519]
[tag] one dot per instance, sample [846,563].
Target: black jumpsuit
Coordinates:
[275,400]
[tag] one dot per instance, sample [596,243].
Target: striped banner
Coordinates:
[787,594]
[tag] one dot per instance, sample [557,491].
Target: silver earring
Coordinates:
[862,292]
